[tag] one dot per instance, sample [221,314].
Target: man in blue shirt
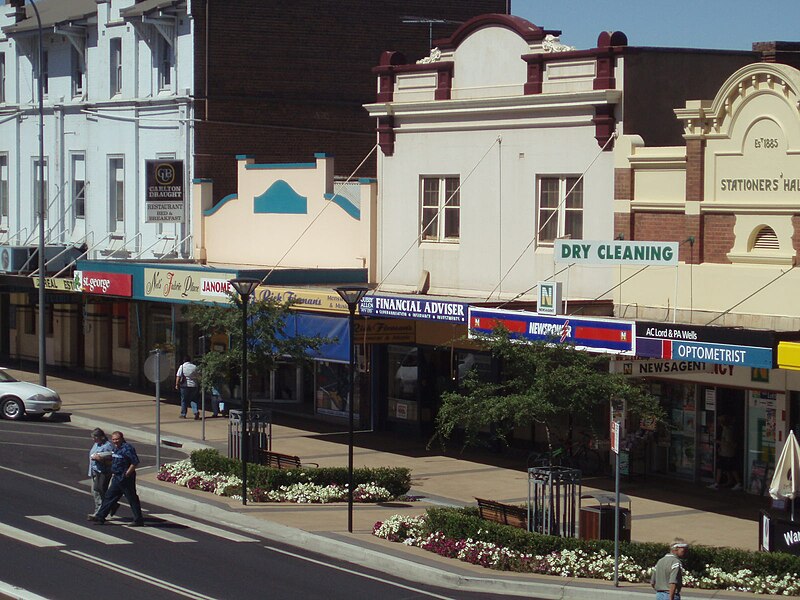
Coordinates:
[123,481]
[100,467]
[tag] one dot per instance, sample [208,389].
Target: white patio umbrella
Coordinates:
[786,480]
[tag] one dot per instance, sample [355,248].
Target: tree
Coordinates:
[268,340]
[544,383]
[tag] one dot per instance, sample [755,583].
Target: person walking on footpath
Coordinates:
[123,481]
[186,382]
[100,469]
[667,576]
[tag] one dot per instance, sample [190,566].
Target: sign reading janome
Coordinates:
[164,195]
[595,335]
[616,252]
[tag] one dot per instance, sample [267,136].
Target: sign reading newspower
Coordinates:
[413,307]
[164,194]
[616,252]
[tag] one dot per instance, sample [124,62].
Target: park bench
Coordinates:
[282,461]
[507,514]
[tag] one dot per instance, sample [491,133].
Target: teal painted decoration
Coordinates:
[345,204]
[280,198]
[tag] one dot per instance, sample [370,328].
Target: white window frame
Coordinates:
[115,66]
[4,192]
[116,192]
[35,182]
[440,206]
[78,185]
[558,208]
[165,64]
[2,77]
[78,74]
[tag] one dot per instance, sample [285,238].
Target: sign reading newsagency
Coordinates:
[164,195]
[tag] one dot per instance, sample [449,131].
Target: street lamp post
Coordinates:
[351,295]
[41,207]
[244,287]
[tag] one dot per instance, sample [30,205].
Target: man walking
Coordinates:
[667,576]
[186,381]
[123,481]
[100,469]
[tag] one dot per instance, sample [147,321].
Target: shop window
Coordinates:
[466,362]
[403,382]
[331,389]
[78,177]
[560,209]
[441,209]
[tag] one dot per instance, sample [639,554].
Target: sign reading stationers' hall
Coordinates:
[165,193]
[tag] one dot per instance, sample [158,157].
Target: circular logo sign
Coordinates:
[165,174]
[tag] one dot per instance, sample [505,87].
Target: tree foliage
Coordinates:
[268,339]
[542,383]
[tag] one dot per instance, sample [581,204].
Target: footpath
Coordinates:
[662,509]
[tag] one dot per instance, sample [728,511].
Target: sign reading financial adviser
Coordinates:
[164,196]
[616,252]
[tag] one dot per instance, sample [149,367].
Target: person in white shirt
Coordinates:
[186,382]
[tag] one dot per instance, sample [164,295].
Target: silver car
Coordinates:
[20,398]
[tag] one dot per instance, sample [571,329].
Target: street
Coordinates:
[50,549]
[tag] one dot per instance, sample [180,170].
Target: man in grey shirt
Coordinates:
[667,577]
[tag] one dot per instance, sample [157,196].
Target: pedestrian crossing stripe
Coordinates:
[29,538]
[209,529]
[80,530]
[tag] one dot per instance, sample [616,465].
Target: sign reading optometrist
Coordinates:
[595,335]
[616,252]
[165,194]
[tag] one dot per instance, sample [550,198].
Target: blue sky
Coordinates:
[724,24]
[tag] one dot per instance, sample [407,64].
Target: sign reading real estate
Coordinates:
[164,193]
[616,252]
[595,334]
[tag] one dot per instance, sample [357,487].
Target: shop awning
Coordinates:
[322,326]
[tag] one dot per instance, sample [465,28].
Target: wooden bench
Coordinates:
[507,514]
[282,461]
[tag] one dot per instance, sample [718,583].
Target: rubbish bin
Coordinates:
[259,434]
[597,522]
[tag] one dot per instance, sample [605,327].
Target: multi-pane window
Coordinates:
[116,192]
[78,185]
[39,185]
[165,62]
[115,64]
[560,209]
[441,209]
[4,186]
[2,77]
[78,72]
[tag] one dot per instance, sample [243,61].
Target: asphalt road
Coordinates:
[49,549]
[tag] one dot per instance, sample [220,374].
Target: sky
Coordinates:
[723,24]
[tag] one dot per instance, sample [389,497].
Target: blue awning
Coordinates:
[327,327]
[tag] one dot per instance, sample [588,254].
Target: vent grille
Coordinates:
[766,240]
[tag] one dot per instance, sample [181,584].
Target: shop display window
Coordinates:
[403,383]
[761,407]
[331,387]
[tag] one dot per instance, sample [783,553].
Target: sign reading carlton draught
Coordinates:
[164,196]
[716,345]
[595,334]
[105,284]
[616,252]
[413,307]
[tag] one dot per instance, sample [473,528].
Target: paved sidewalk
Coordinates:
[661,509]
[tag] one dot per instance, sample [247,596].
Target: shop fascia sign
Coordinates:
[595,335]
[59,284]
[616,252]
[697,343]
[413,307]
[304,299]
[186,285]
[104,284]
[649,368]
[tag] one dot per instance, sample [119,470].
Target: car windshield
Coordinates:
[5,377]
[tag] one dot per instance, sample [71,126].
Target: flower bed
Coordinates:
[183,473]
[570,562]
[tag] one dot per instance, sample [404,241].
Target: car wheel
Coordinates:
[12,409]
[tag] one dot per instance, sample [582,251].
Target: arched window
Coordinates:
[765,239]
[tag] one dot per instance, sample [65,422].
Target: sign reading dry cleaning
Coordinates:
[164,194]
[616,252]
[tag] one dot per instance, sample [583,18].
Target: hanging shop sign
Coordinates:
[698,343]
[616,252]
[104,284]
[548,301]
[413,307]
[165,192]
[186,285]
[304,299]
[595,334]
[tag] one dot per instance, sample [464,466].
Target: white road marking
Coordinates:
[29,538]
[352,572]
[17,592]
[163,534]
[235,537]
[69,487]
[165,585]
[74,528]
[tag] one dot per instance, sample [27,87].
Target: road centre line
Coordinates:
[45,480]
[29,538]
[165,585]
[228,535]
[352,572]
[80,530]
